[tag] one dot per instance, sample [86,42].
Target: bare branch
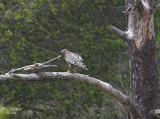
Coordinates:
[21,68]
[36,75]
[122,98]
[154,114]
[49,61]
[36,66]
[73,76]
[121,33]
[124,12]
[32,68]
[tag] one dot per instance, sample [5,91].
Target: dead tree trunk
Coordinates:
[143,76]
[140,37]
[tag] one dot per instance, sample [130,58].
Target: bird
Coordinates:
[73,60]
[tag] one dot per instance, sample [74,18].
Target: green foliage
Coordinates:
[6,112]
[36,30]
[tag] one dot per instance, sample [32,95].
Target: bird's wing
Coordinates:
[69,59]
[77,57]
[81,65]
[73,58]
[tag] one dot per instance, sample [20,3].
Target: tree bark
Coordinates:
[140,38]
[142,46]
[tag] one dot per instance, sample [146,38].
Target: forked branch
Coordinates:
[36,67]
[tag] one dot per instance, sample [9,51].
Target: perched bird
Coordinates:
[73,59]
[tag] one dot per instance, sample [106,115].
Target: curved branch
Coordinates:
[51,60]
[122,98]
[71,76]
[154,114]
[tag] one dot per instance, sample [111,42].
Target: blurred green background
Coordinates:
[36,30]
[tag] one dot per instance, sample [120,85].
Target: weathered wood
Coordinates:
[119,32]
[143,69]
[69,76]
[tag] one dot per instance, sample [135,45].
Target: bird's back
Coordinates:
[75,59]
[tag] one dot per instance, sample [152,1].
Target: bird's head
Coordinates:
[64,51]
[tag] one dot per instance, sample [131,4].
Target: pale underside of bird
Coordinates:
[73,60]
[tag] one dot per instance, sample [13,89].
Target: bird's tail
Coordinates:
[85,68]
[82,65]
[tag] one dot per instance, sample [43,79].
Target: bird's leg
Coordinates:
[75,69]
[69,68]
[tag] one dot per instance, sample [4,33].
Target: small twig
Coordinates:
[49,61]
[18,69]
[127,10]
[121,33]
[124,12]
[36,66]
[33,68]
